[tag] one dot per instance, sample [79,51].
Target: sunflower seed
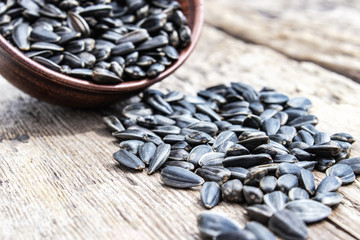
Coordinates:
[260,212]
[232,191]
[330,199]
[47,63]
[288,168]
[288,225]
[212,159]
[160,156]
[147,151]
[329,184]
[252,195]
[210,194]
[343,171]
[309,210]
[247,161]
[286,182]
[260,232]
[307,181]
[298,194]
[217,174]
[354,163]
[276,200]
[20,36]
[268,184]
[131,145]
[128,159]
[321,138]
[211,225]
[178,177]
[182,164]
[345,137]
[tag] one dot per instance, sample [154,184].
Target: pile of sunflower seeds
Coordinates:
[104,41]
[240,145]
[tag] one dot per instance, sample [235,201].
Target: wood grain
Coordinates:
[59,181]
[319,31]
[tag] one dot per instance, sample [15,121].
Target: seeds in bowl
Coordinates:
[105,42]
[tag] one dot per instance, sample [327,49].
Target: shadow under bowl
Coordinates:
[56,88]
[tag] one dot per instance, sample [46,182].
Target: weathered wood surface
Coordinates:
[323,32]
[59,181]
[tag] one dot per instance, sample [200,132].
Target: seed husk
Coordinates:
[331,199]
[196,138]
[309,210]
[288,168]
[303,120]
[182,164]
[160,156]
[128,159]
[113,123]
[307,181]
[211,225]
[254,175]
[302,155]
[46,46]
[216,174]
[268,184]
[329,184]
[206,127]
[260,232]
[103,76]
[266,148]
[288,225]
[271,126]
[325,150]
[286,158]
[247,161]
[343,171]
[345,137]
[260,212]
[47,63]
[354,163]
[212,159]
[297,193]
[131,145]
[286,182]
[20,36]
[232,191]
[276,200]
[273,98]
[178,154]
[197,152]
[253,142]
[237,150]
[238,173]
[309,165]
[78,24]
[210,194]
[252,195]
[225,136]
[321,138]
[178,177]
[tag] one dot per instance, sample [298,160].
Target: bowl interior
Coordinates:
[194,12]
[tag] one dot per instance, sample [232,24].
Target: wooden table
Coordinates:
[58,178]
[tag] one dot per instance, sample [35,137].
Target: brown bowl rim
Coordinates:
[80,84]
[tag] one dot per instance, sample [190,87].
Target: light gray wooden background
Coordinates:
[58,178]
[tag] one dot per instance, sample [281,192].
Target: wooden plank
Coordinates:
[62,183]
[318,31]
